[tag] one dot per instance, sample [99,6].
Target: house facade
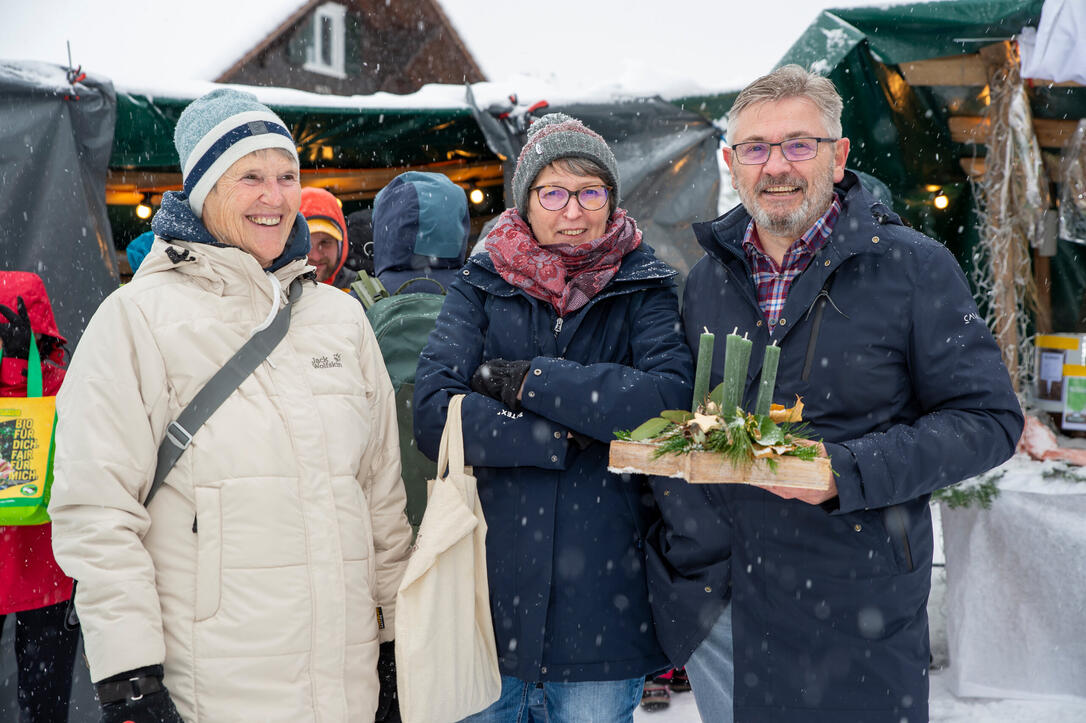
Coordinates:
[358,47]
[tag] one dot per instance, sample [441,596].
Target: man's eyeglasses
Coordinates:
[756,153]
[555,198]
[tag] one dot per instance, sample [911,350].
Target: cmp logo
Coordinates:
[323,362]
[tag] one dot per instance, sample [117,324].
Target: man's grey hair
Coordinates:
[792,81]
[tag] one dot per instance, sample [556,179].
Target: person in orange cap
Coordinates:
[327,236]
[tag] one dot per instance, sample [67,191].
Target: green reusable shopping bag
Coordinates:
[27,426]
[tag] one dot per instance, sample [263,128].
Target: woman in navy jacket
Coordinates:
[565,331]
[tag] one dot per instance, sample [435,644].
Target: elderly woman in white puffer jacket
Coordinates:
[259,583]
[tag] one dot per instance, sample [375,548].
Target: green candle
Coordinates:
[705,366]
[736,360]
[769,378]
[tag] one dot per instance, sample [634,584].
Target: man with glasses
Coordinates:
[824,591]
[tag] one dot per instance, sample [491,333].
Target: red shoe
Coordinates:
[679,683]
[655,695]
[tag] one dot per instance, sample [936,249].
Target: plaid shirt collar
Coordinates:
[772,282]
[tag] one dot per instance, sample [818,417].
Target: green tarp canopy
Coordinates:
[357,137]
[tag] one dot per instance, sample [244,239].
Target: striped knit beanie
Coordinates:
[216,130]
[554,136]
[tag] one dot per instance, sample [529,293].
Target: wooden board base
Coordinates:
[710,468]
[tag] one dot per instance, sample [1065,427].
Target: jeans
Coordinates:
[711,670]
[44,653]
[593,701]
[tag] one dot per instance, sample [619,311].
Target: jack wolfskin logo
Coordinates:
[323,362]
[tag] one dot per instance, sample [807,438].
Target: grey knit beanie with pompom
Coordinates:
[555,136]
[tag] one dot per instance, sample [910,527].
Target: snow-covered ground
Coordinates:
[944,707]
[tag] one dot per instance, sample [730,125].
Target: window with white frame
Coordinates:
[325,49]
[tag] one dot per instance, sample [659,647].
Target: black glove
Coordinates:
[388,707]
[15,335]
[581,440]
[501,379]
[137,704]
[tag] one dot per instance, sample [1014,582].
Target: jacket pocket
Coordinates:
[896,520]
[818,308]
[208,553]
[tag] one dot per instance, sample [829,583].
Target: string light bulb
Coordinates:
[144,210]
[941,201]
[476,196]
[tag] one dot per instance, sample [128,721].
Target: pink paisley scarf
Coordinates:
[566,276]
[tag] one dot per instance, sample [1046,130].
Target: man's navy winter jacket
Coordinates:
[565,546]
[881,338]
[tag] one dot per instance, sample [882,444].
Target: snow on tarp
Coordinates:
[54,151]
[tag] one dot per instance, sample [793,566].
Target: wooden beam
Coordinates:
[952,70]
[142,181]
[350,184]
[1051,133]
[963,70]
[968,128]
[975,167]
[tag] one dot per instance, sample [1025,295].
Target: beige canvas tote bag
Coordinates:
[446,657]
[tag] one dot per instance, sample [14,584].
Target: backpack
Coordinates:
[402,323]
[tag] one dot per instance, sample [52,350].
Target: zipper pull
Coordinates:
[558,327]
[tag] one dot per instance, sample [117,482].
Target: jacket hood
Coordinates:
[726,232]
[175,221]
[420,229]
[318,203]
[31,288]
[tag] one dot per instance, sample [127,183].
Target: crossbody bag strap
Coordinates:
[179,432]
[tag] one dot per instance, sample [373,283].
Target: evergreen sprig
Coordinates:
[957,496]
[735,436]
